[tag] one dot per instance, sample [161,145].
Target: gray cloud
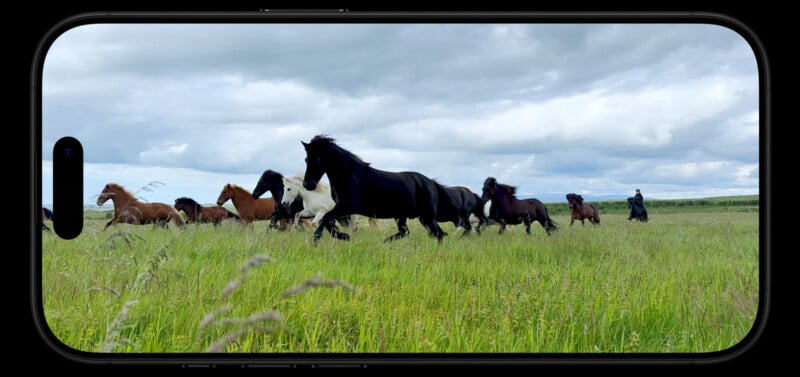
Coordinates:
[589,108]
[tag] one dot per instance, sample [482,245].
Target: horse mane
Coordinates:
[576,197]
[270,172]
[511,189]
[186,200]
[123,189]
[329,142]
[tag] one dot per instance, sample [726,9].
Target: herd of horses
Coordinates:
[356,189]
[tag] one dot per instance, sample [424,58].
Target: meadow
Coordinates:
[687,281]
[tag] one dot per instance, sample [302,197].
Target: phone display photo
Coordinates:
[344,190]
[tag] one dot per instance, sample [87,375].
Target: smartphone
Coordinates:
[167,143]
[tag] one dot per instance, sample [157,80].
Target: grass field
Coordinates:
[685,282]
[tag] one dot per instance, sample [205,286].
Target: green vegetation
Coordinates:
[686,282]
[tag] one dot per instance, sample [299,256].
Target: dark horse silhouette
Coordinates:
[638,211]
[272,182]
[47,214]
[507,209]
[196,213]
[462,203]
[582,211]
[358,188]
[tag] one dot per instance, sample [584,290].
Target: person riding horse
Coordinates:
[636,204]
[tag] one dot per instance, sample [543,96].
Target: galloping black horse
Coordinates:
[638,211]
[507,209]
[272,181]
[462,203]
[358,188]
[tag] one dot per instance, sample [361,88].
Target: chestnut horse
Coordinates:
[581,211]
[249,209]
[128,209]
[197,213]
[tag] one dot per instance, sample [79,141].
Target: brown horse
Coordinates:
[129,210]
[249,209]
[581,211]
[196,213]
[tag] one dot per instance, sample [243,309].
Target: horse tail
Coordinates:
[549,224]
[596,215]
[233,215]
[177,218]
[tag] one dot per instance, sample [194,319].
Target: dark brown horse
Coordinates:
[582,211]
[249,208]
[129,210]
[196,213]
[507,209]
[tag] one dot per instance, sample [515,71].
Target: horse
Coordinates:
[638,211]
[47,214]
[507,209]
[581,211]
[462,204]
[129,210]
[358,188]
[316,203]
[272,181]
[196,213]
[249,208]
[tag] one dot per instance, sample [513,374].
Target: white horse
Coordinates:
[316,202]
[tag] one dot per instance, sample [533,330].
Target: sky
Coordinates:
[595,109]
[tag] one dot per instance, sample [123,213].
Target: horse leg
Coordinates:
[329,222]
[527,222]
[402,230]
[502,227]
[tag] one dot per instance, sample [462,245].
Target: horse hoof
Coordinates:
[343,236]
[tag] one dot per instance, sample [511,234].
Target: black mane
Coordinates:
[185,200]
[270,172]
[329,142]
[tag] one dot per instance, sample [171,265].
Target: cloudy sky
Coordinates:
[597,109]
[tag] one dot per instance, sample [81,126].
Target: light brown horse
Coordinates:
[581,211]
[249,209]
[129,210]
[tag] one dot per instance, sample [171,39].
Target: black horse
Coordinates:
[462,203]
[358,188]
[507,209]
[638,211]
[272,182]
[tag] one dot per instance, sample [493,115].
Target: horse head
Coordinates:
[291,188]
[489,189]
[315,166]
[270,181]
[227,193]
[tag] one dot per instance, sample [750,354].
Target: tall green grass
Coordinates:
[684,283]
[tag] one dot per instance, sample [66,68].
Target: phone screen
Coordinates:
[610,207]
